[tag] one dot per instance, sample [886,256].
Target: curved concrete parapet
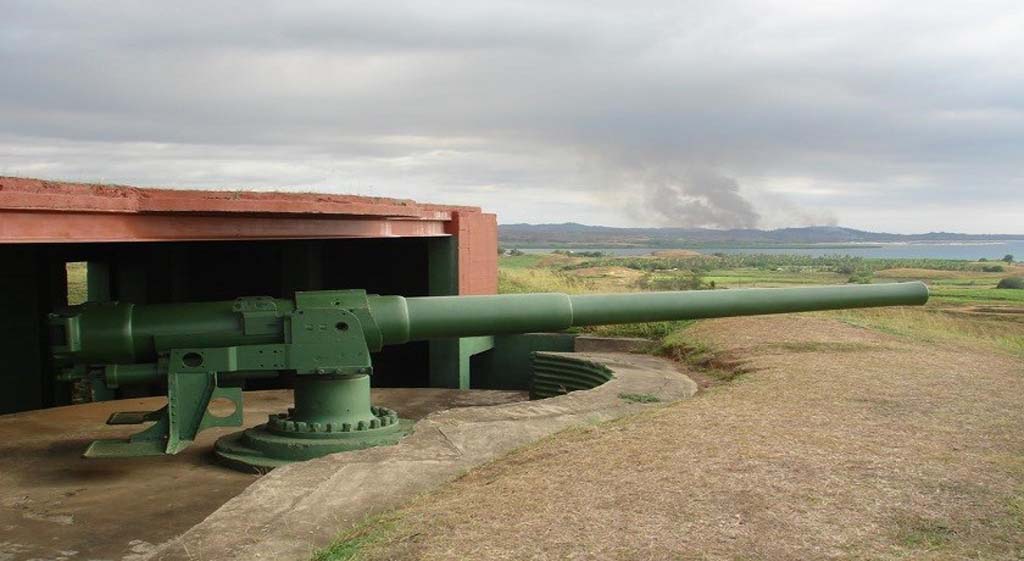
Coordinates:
[556,374]
[299,508]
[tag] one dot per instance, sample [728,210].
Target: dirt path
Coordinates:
[843,443]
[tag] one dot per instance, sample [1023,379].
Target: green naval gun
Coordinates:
[324,339]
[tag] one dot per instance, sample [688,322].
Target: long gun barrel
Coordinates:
[325,339]
[126,333]
[463,316]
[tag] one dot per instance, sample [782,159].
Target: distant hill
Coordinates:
[580,235]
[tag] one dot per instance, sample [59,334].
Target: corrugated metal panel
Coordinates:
[560,373]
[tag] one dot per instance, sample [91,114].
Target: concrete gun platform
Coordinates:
[55,505]
[295,510]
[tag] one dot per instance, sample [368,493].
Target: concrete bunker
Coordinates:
[159,246]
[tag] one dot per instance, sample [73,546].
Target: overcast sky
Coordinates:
[894,116]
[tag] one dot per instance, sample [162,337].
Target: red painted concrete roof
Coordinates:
[38,194]
[35,211]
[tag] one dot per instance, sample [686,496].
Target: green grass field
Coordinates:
[76,283]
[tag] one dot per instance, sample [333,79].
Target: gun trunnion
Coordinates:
[325,339]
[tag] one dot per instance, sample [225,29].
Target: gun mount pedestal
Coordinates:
[331,414]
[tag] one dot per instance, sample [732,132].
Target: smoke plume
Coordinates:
[698,199]
[685,197]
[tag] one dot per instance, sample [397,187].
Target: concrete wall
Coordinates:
[477,236]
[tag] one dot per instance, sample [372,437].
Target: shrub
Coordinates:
[681,281]
[515,281]
[1012,282]
[861,277]
[1008,258]
[516,252]
[571,253]
[993,269]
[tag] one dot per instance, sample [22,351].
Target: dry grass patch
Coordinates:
[513,281]
[892,449]
[614,279]
[676,253]
[708,364]
[818,347]
[608,277]
[555,259]
[1002,332]
[934,274]
[924,274]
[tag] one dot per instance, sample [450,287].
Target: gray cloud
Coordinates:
[683,113]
